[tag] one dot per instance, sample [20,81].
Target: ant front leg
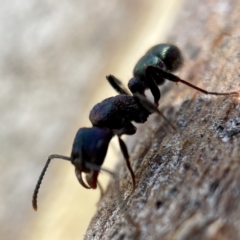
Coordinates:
[79,178]
[152,85]
[171,77]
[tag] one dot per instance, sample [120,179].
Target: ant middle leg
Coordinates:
[151,107]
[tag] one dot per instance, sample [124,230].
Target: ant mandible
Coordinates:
[152,70]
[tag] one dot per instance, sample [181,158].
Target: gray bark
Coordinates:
[188,180]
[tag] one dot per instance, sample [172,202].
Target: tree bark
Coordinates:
[188,180]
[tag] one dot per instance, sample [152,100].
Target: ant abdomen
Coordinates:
[166,57]
[169,54]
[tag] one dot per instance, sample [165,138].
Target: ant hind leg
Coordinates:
[171,77]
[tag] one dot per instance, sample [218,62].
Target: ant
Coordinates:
[113,116]
[152,70]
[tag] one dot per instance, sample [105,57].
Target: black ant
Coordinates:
[113,116]
[152,70]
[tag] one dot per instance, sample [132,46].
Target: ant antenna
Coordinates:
[36,190]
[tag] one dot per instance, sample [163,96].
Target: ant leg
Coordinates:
[117,85]
[126,157]
[174,78]
[153,86]
[151,107]
[79,178]
[37,187]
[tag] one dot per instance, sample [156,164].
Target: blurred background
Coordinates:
[54,56]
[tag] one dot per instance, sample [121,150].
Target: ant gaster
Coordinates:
[152,70]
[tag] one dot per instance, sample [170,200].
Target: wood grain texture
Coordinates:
[188,180]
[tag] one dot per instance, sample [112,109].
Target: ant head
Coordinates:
[88,152]
[90,145]
[136,86]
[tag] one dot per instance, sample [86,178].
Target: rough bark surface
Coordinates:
[188,180]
